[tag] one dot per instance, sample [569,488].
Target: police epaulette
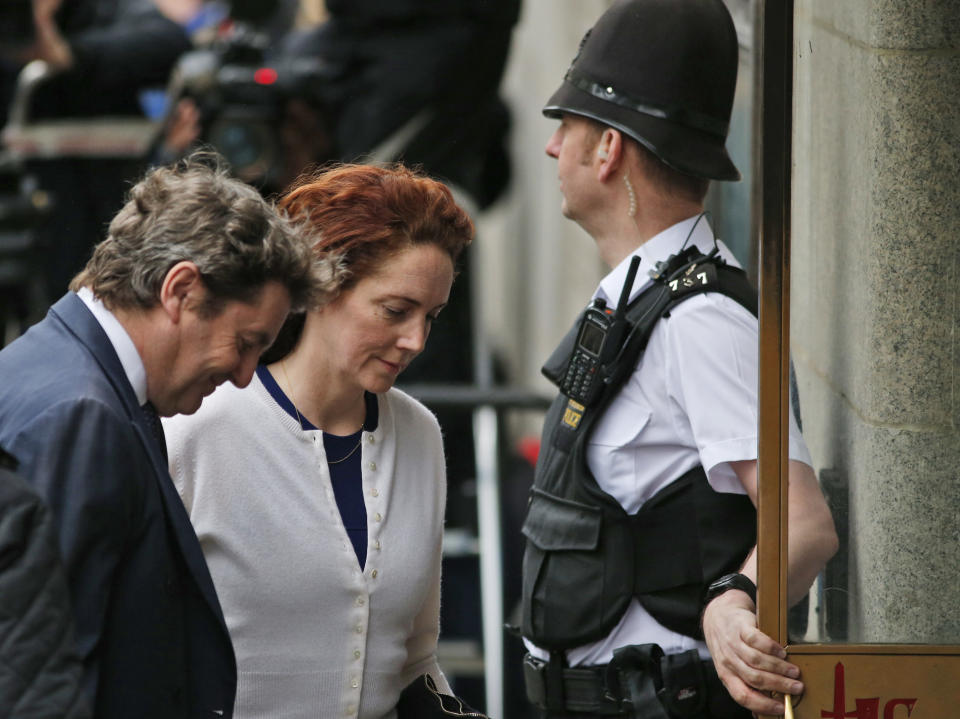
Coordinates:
[690,273]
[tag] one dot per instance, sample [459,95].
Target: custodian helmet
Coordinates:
[664,73]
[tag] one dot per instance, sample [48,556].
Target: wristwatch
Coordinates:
[731,581]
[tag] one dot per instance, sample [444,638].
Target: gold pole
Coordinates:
[772,143]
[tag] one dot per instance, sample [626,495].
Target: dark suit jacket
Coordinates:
[39,670]
[149,626]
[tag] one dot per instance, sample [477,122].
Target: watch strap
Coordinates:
[731,581]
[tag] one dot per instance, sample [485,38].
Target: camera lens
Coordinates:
[247,143]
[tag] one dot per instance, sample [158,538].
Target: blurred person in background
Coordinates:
[100,52]
[102,55]
[419,81]
[318,492]
[193,282]
[412,80]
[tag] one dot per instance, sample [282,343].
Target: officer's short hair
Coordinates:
[666,178]
[671,181]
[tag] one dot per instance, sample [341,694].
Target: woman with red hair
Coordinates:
[318,492]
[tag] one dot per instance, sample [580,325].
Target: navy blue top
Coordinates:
[345,475]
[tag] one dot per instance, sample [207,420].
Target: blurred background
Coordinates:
[92,92]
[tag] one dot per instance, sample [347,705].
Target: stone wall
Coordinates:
[876,297]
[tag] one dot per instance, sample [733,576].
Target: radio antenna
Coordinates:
[627,286]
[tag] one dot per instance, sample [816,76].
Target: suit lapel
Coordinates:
[179,519]
[79,321]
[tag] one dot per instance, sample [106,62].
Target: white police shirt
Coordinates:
[691,400]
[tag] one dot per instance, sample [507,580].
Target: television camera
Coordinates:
[250,104]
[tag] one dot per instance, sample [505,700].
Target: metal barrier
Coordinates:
[486,403]
[24,139]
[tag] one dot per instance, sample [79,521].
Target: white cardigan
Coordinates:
[314,635]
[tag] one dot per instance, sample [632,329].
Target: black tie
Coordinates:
[153,422]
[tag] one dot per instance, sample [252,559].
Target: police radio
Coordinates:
[599,338]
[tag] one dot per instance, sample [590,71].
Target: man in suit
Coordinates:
[192,283]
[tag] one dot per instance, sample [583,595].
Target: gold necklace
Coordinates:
[348,455]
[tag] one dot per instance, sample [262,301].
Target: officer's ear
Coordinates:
[610,149]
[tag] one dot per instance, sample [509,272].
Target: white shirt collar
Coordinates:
[659,247]
[122,344]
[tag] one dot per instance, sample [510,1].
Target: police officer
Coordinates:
[642,520]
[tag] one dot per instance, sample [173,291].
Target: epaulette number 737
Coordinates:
[695,277]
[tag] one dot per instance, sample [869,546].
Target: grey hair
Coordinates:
[194,211]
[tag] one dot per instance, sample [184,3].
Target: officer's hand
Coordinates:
[748,661]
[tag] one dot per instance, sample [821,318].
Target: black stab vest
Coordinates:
[585,557]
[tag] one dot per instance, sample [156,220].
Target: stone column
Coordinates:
[876,298]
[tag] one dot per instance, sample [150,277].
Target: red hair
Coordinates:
[364,214]
[358,216]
